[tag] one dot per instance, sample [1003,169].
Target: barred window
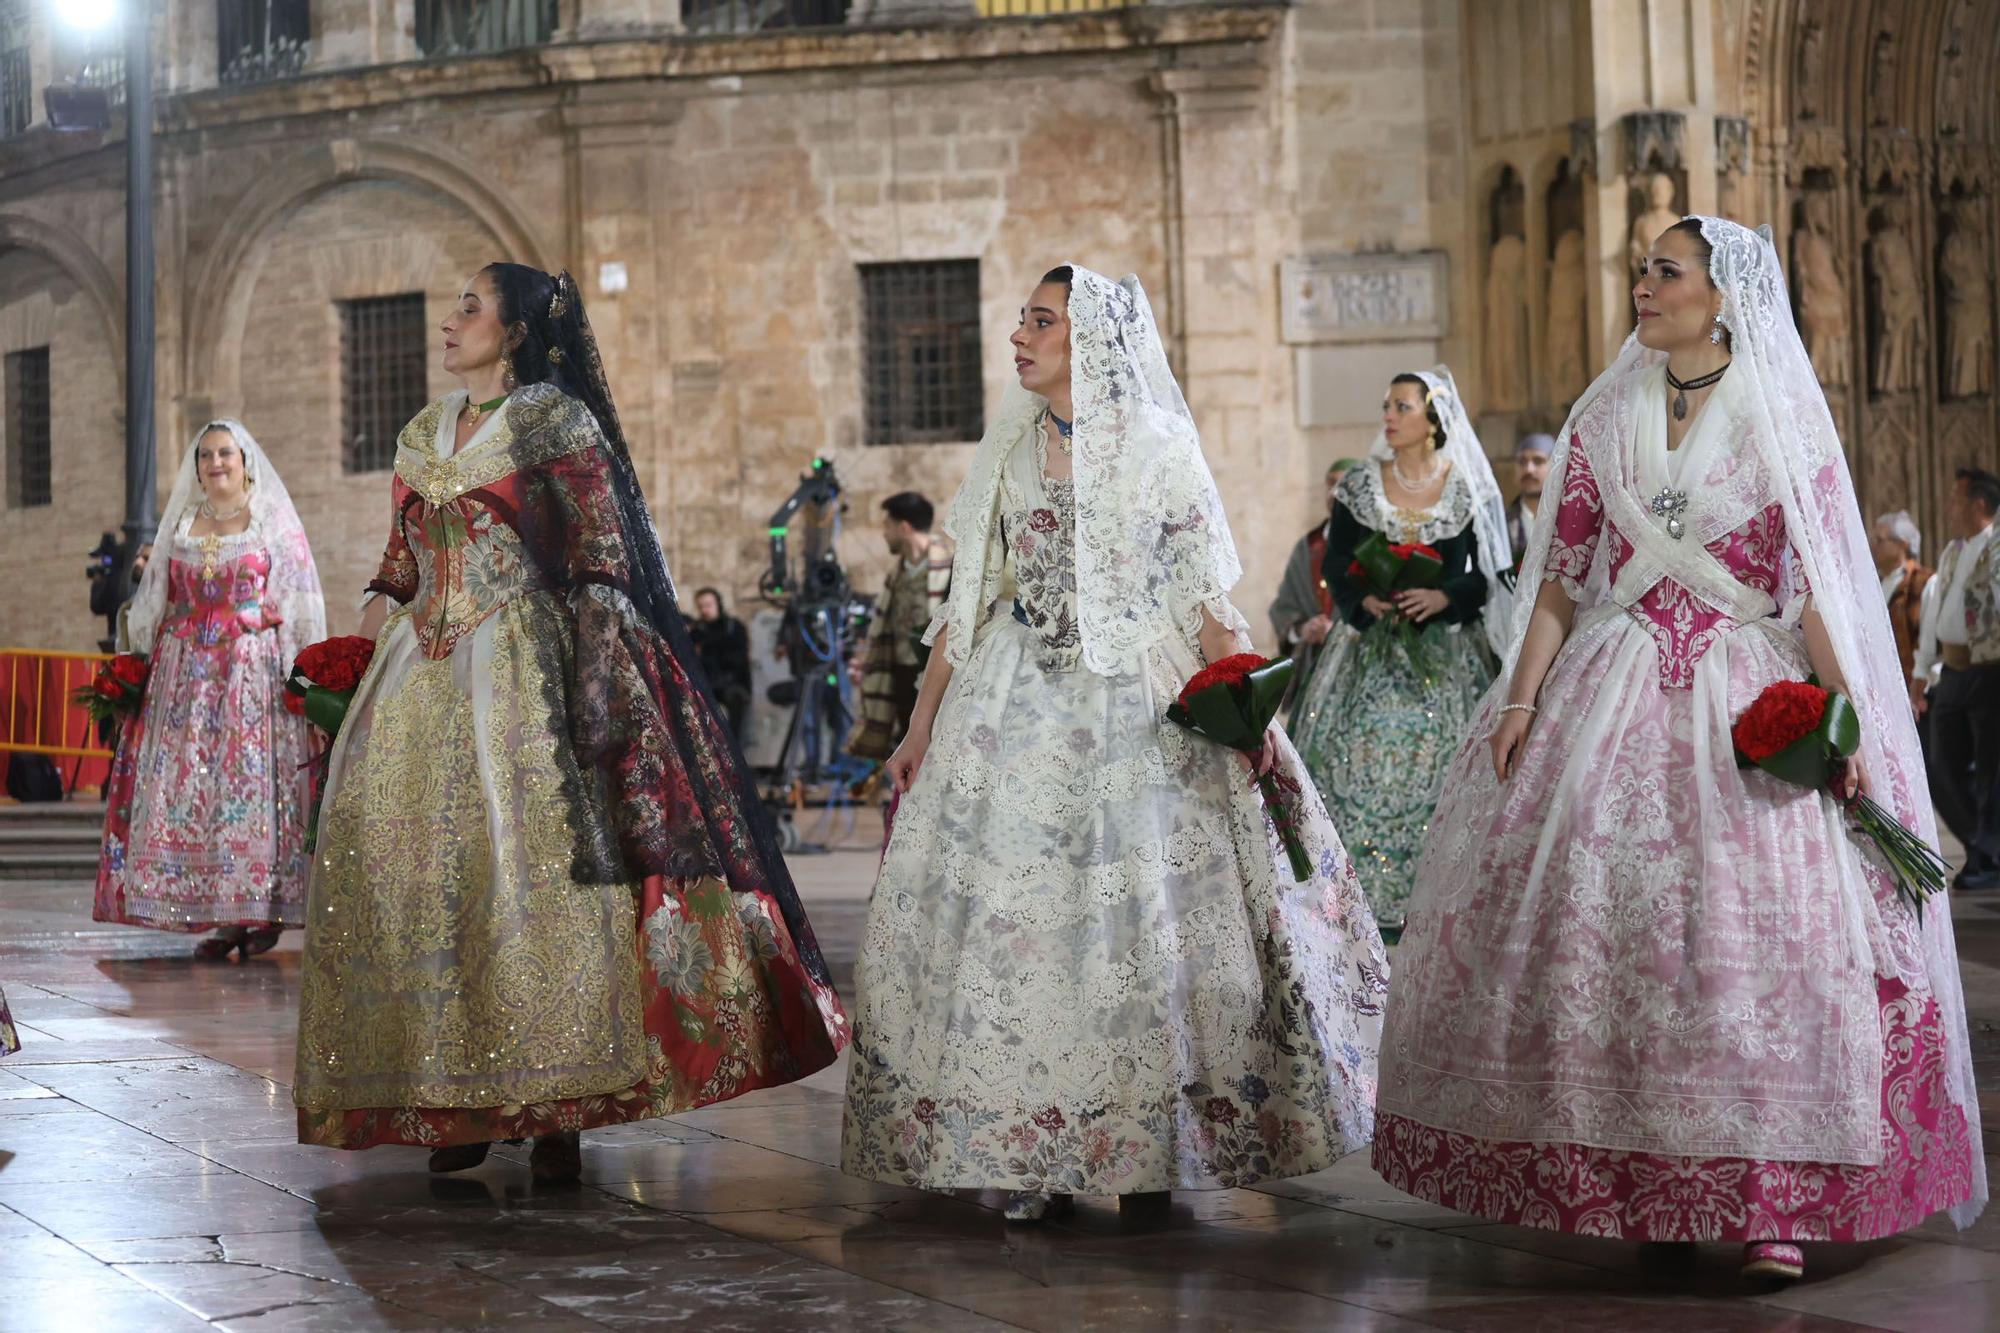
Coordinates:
[259,40]
[922,375]
[463,27]
[383,379]
[17,101]
[28,428]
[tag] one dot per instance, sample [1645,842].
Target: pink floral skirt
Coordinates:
[1926,1166]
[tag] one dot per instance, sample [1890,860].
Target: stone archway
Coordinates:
[220,296]
[82,265]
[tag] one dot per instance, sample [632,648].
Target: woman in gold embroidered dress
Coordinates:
[545,896]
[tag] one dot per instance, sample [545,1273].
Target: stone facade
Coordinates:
[1505,151]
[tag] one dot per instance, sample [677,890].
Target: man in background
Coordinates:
[891,664]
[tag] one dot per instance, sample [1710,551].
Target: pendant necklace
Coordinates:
[1681,387]
[478,410]
[1063,431]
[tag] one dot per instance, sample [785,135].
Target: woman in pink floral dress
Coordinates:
[205,826]
[1645,994]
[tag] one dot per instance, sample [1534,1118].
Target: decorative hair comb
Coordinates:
[559,303]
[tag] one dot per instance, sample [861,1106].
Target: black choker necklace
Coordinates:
[1063,428]
[1681,387]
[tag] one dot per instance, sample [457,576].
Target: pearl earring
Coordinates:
[1718,333]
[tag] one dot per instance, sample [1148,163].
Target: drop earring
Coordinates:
[507,377]
[1718,333]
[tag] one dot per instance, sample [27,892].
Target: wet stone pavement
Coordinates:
[149,1181]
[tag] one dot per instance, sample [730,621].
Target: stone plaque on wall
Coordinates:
[1364,298]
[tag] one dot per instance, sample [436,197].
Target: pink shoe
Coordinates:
[1773,1259]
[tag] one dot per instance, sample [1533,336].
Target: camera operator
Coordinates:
[891,663]
[111,586]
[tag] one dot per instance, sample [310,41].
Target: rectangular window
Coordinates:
[260,40]
[28,428]
[383,377]
[17,102]
[922,377]
[462,27]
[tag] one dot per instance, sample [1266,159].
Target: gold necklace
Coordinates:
[208,511]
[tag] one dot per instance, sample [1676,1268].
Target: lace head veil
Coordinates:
[1489,510]
[1152,546]
[294,580]
[1785,419]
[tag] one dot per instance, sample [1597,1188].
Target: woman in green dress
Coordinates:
[1376,722]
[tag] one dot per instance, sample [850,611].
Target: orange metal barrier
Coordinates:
[37,717]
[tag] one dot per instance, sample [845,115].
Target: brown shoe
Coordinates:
[458,1157]
[557,1159]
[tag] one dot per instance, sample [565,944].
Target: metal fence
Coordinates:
[257,41]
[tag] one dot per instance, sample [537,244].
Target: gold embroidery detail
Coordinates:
[453,961]
[538,423]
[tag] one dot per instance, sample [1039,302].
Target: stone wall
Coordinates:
[739,208]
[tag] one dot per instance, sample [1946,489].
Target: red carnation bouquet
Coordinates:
[319,689]
[1802,733]
[1232,702]
[1382,570]
[114,694]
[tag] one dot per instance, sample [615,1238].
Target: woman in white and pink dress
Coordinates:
[1645,994]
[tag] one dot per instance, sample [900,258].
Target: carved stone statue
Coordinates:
[1882,80]
[1812,69]
[1898,351]
[1646,228]
[1968,309]
[1504,354]
[1820,277]
[1567,314]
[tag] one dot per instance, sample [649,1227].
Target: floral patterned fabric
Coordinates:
[1087,966]
[1644,992]
[1926,1167]
[1376,736]
[530,909]
[205,820]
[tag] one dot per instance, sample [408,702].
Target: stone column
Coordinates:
[616,149]
[1218,307]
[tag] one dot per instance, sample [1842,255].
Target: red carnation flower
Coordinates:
[1232,671]
[1781,715]
[337,664]
[1408,549]
[129,668]
[295,704]
[1355,571]
[108,687]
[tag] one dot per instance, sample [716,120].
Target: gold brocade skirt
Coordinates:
[451,958]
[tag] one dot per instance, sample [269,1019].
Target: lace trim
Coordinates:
[1360,489]
[538,423]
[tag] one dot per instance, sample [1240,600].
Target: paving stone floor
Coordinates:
[149,1181]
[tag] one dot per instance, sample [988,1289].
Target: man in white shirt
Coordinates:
[1955,679]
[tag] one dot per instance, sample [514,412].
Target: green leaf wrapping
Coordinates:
[1840,725]
[1218,716]
[326,709]
[1268,685]
[1420,571]
[1378,562]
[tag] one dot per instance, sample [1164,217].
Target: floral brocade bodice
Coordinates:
[1040,526]
[218,589]
[470,562]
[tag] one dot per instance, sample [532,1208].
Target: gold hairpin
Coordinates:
[556,303]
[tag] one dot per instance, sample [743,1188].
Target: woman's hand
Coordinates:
[1421,604]
[1378,608]
[1314,631]
[909,758]
[1853,779]
[1507,739]
[1263,760]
